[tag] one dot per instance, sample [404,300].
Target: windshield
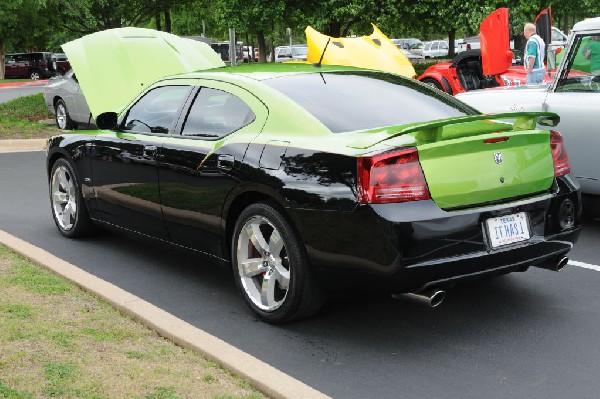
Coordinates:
[582,68]
[299,51]
[361,100]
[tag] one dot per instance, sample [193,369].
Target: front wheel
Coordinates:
[433,83]
[68,208]
[271,268]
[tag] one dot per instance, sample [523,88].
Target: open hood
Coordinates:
[114,65]
[543,25]
[494,36]
[372,52]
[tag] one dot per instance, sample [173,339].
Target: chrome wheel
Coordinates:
[34,75]
[63,193]
[61,116]
[263,264]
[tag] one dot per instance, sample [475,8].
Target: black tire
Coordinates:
[35,74]
[62,117]
[66,201]
[433,83]
[271,272]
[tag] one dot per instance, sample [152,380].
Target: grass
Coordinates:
[58,341]
[20,118]
[13,81]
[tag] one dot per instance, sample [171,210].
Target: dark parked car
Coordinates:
[29,65]
[61,63]
[302,181]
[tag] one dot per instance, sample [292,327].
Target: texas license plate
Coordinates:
[508,229]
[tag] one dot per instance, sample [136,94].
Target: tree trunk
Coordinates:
[157,19]
[2,58]
[168,21]
[451,40]
[262,46]
[334,29]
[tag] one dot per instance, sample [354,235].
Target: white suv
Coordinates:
[435,48]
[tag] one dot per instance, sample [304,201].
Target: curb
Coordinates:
[264,377]
[22,145]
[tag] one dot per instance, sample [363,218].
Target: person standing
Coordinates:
[534,55]
[592,52]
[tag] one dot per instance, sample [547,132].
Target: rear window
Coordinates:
[361,100]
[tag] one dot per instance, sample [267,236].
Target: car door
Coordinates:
[575,96]
[125,165]
[200,162]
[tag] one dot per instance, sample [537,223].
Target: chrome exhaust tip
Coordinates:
[429,297]
[555,264]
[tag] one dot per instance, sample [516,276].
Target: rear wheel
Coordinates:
[34,74]
[271,268]
[433,83]
[63,120]
[68,208]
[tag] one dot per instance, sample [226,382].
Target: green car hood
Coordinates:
[114,65]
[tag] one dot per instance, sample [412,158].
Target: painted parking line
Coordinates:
[584,265]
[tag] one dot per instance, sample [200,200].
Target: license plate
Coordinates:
[508,229]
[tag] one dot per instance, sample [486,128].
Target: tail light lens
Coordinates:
[394,176]
[559,154]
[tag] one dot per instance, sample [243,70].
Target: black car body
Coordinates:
[265,171]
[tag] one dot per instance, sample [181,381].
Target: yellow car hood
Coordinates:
[372,52]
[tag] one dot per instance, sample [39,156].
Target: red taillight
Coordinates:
[394,176]
[559,154]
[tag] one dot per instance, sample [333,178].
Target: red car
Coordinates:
[490,66]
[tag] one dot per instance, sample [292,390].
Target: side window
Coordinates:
[215,114]
[582,72]
[156,110]
[443,46]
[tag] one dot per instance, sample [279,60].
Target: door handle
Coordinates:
[225,161]
[149,151]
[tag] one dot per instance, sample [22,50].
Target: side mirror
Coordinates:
[106,121]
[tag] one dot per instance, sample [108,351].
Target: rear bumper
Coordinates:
[409,246]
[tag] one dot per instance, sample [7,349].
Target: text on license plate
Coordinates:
[508,229]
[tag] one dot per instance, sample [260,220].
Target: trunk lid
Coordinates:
[487,168]
[477,159]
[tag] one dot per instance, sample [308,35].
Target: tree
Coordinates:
[13,33]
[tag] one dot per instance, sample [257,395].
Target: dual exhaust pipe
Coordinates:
[433,297]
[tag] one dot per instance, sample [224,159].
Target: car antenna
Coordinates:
[318,64]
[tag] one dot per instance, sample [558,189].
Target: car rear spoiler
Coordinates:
[451,128]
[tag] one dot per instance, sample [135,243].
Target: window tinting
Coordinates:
[156,110]
[360,100]
[215,114]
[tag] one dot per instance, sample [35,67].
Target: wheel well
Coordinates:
[236,208]
[53,158]
[55,100]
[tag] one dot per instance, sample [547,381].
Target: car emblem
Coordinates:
[516,107]
[498,157]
